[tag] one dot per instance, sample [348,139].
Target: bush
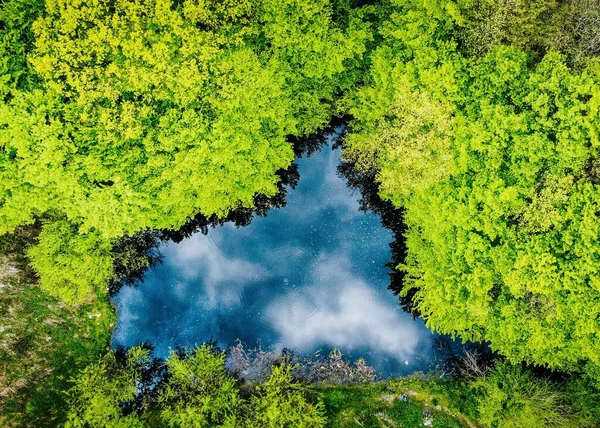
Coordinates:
[334,370]
[101,390]
[584,397]
[283,401]
[512,397]
[198,391]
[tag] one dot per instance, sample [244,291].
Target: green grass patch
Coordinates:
[378,405]
[42,345]
[454,396]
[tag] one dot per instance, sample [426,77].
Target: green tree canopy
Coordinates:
[100,390]
[198,391]
[495,163]
[146,113]
[74,265]
[283,402]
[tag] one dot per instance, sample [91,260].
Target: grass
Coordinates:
[42,345]
[380,405]
[453,397]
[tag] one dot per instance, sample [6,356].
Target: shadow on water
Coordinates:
[392,218]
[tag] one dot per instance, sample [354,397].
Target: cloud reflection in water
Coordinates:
[308,276]
[341,310]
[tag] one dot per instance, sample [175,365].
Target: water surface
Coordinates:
[310,277]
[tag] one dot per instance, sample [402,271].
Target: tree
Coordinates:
[72,266]
[512,397]
[575,31]
[282,401]
[100,390]
[16,41]
[519,23]
[494,162]
[150,112]
[198,392]
[487,246]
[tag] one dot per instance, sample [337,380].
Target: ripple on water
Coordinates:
[247,292]
[305,297]
[303,304]
[215,240]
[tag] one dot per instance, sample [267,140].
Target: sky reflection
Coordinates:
[310,276]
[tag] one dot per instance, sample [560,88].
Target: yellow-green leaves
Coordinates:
[73,266]
[192,388]
[504,248]
[282,401]
[16,40]
[495,163]
[199,392]
[403,121]
[101,390]
[149,112]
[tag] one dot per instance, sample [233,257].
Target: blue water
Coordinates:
[310,277]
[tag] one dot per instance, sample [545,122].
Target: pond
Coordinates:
[310,277]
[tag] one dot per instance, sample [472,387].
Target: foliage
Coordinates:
[584,398]
[520,189]
[402,118]
[282,401]
[101,389]
[119,117]
[149,112]
[16,40]
[511,397]
[132,257]
[506,395]
[501,225]
[535,26]
[335,370]
[198,391]
[195,389]
[72,266]
[520,23]
[414,141]
[575,31]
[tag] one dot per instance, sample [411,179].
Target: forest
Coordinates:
[478,120]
